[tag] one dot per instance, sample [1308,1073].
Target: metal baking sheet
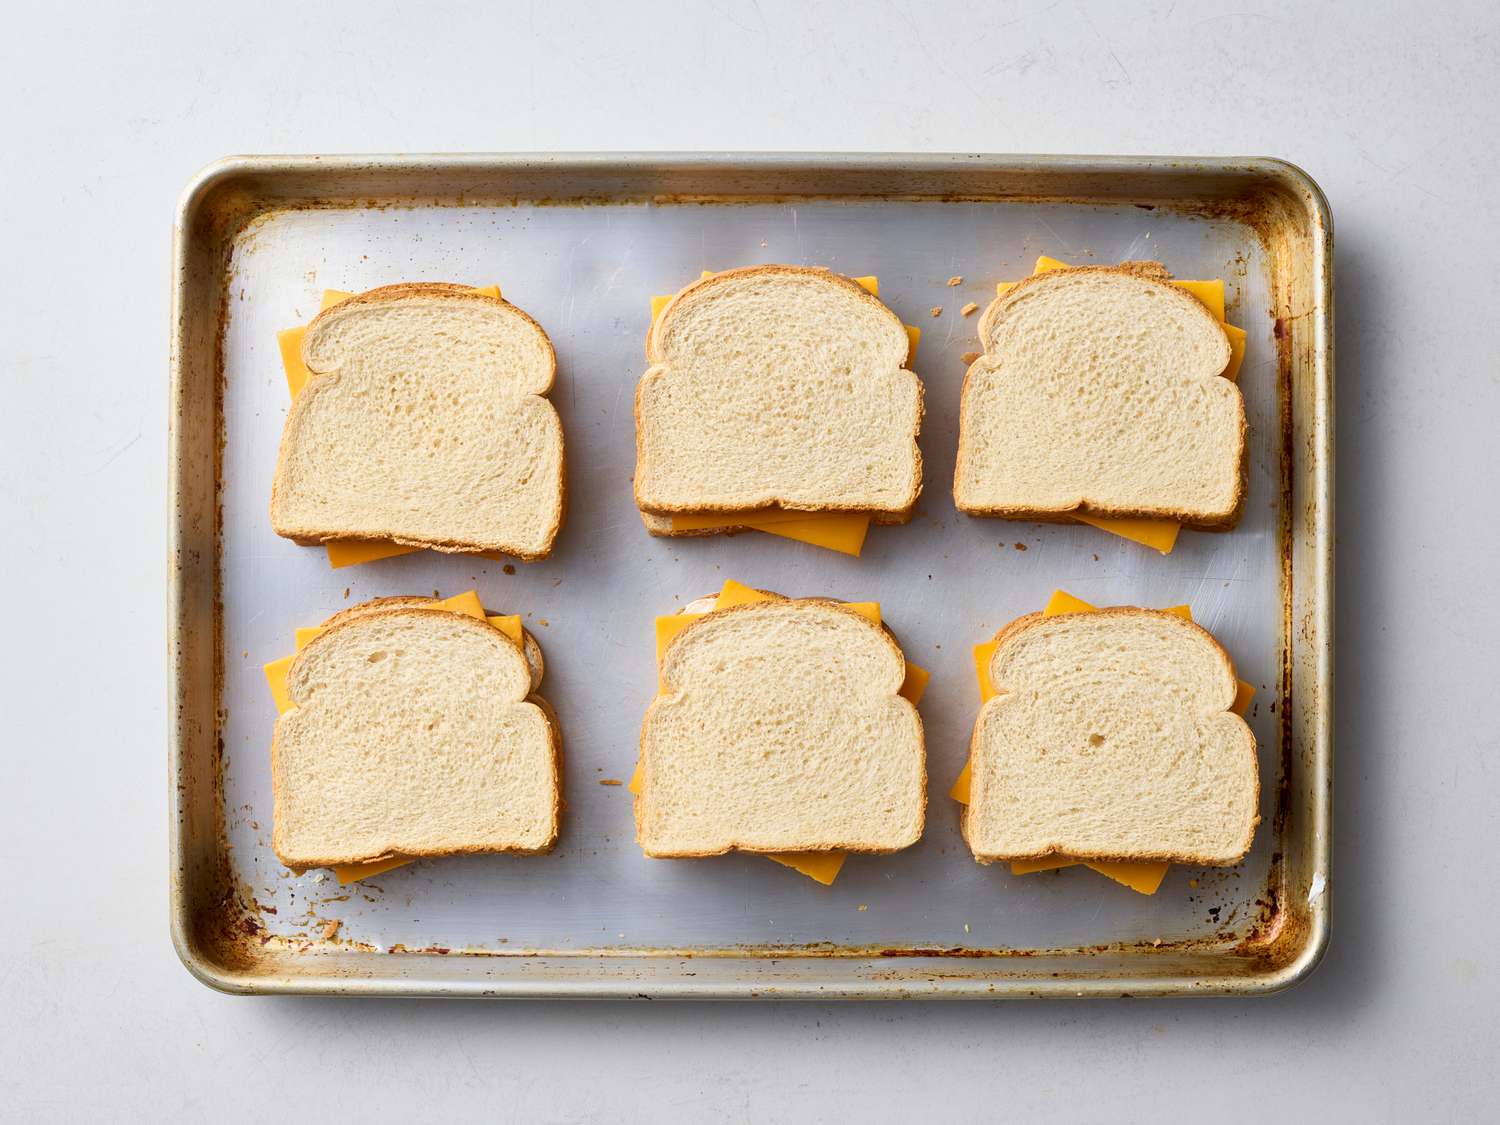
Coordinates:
[582,243]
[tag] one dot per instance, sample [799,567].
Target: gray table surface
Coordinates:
[1394,108]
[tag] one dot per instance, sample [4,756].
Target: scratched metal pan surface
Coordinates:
[582,243]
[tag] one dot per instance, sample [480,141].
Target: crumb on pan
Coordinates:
[937,310]
[610,781]
[969,357]
[968,310]
[331,929]
[955,280]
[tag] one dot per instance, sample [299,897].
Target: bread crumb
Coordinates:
[955,281]
[542,621]
[610,781]
[937,310]
[863,907]
[346,593]
[1192,882]
[331,929]
[508,568]
[968,310]
[969,357]
[966,927]
[1020,546]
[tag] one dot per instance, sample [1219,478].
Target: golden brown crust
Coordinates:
[1196,521]
[375,605]
[778,600]
[310,536]
[655,359]
[1032,620]
[408,606]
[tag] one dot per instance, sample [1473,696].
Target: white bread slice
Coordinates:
[411,734]
[1111,739]
[1099,391]
[779,728]
[424,424]
[777,387]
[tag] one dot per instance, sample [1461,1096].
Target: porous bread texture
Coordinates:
[534,659]
[1111,739]
[779,728]
[777,387]
[1100,391]
[411,735]
[424,424]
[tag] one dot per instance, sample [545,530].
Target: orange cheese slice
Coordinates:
[843,532]
[347,552]
[347,873]
[1142,877]
[1159,535]
[821,867]
[469,605]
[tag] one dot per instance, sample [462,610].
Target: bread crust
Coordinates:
[529,646]
[880,519]
[780,600]
[1157,274]
[1032,620]
[654,359]
[394,607]
[309,535]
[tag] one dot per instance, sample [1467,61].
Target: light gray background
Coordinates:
[1394,108]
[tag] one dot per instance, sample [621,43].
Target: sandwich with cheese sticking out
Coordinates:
[1105,395]
[1111,737]
[411,727]
[778,398]
[419,420]
[782,727]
